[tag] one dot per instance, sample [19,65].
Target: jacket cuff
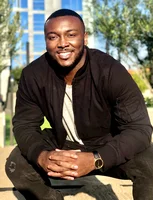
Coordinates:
[35,151]
[109,156]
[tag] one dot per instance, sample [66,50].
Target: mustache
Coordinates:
[62,50]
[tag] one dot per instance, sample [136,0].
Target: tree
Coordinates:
[16,73]
[103,22]
[145,37]
[114,20]
[10,33]
[127,27]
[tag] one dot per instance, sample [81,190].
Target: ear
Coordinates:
[85,38]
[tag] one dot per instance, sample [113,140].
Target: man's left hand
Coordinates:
[85,163]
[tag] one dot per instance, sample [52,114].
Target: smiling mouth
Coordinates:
[64,55]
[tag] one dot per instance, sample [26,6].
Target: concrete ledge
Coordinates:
[95,188]
[101,188]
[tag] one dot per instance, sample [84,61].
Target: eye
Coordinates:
[71,34]
[52,37]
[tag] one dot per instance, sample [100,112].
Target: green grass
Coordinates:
[7,136]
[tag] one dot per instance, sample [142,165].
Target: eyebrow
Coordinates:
[52,32]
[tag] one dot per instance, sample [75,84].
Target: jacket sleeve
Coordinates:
[28,117]
[133,127]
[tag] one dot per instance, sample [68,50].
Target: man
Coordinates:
[98,117]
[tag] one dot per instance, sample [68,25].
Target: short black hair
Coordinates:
[65,12]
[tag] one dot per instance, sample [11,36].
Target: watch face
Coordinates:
[99,163]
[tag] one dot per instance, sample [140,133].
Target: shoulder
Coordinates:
[108,71]
[103,62]
[101,59]
[37,70]
[99,55]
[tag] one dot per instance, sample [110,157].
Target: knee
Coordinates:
[14,166]
[10,165]
[144,161]
[21,172]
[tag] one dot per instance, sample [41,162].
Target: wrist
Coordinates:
[98,161]
[41,157]
[92,162]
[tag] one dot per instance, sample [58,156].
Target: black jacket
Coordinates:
[109,110]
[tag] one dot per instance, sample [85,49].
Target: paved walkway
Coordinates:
[121,189]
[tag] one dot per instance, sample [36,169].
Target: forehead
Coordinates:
[64,23]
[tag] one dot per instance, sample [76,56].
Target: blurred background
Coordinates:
[121,28]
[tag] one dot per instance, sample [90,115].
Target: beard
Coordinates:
[77,59]
[66,69]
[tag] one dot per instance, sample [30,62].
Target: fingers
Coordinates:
[63,155]
[68,178]
[60,175]
[65,174]
[60,166]
[75,150]
[63,167]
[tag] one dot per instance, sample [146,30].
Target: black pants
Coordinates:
[34,184]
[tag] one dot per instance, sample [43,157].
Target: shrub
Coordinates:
[140,81]
[149,102]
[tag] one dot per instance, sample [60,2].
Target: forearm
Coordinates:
[30,142]
[124,146]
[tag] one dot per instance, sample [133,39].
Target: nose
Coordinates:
[63,42]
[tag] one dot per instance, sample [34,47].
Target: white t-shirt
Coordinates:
[68,116]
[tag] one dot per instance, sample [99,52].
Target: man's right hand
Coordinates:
[61,163]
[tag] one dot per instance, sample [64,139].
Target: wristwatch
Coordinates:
[99,163]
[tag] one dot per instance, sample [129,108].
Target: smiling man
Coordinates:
[99,120]
[65,39]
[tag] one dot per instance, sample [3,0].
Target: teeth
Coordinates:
[64,55]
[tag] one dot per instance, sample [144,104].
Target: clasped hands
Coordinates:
[66,164]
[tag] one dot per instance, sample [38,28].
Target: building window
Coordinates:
[24,20]
[21,44]
[72,4]
[16,61]
[38,4]
[39,43]
[24,41]
[23,3]
[20,3]
[23,60]
[39,20]
[14,4]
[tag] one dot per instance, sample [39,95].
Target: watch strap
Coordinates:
[99,163]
